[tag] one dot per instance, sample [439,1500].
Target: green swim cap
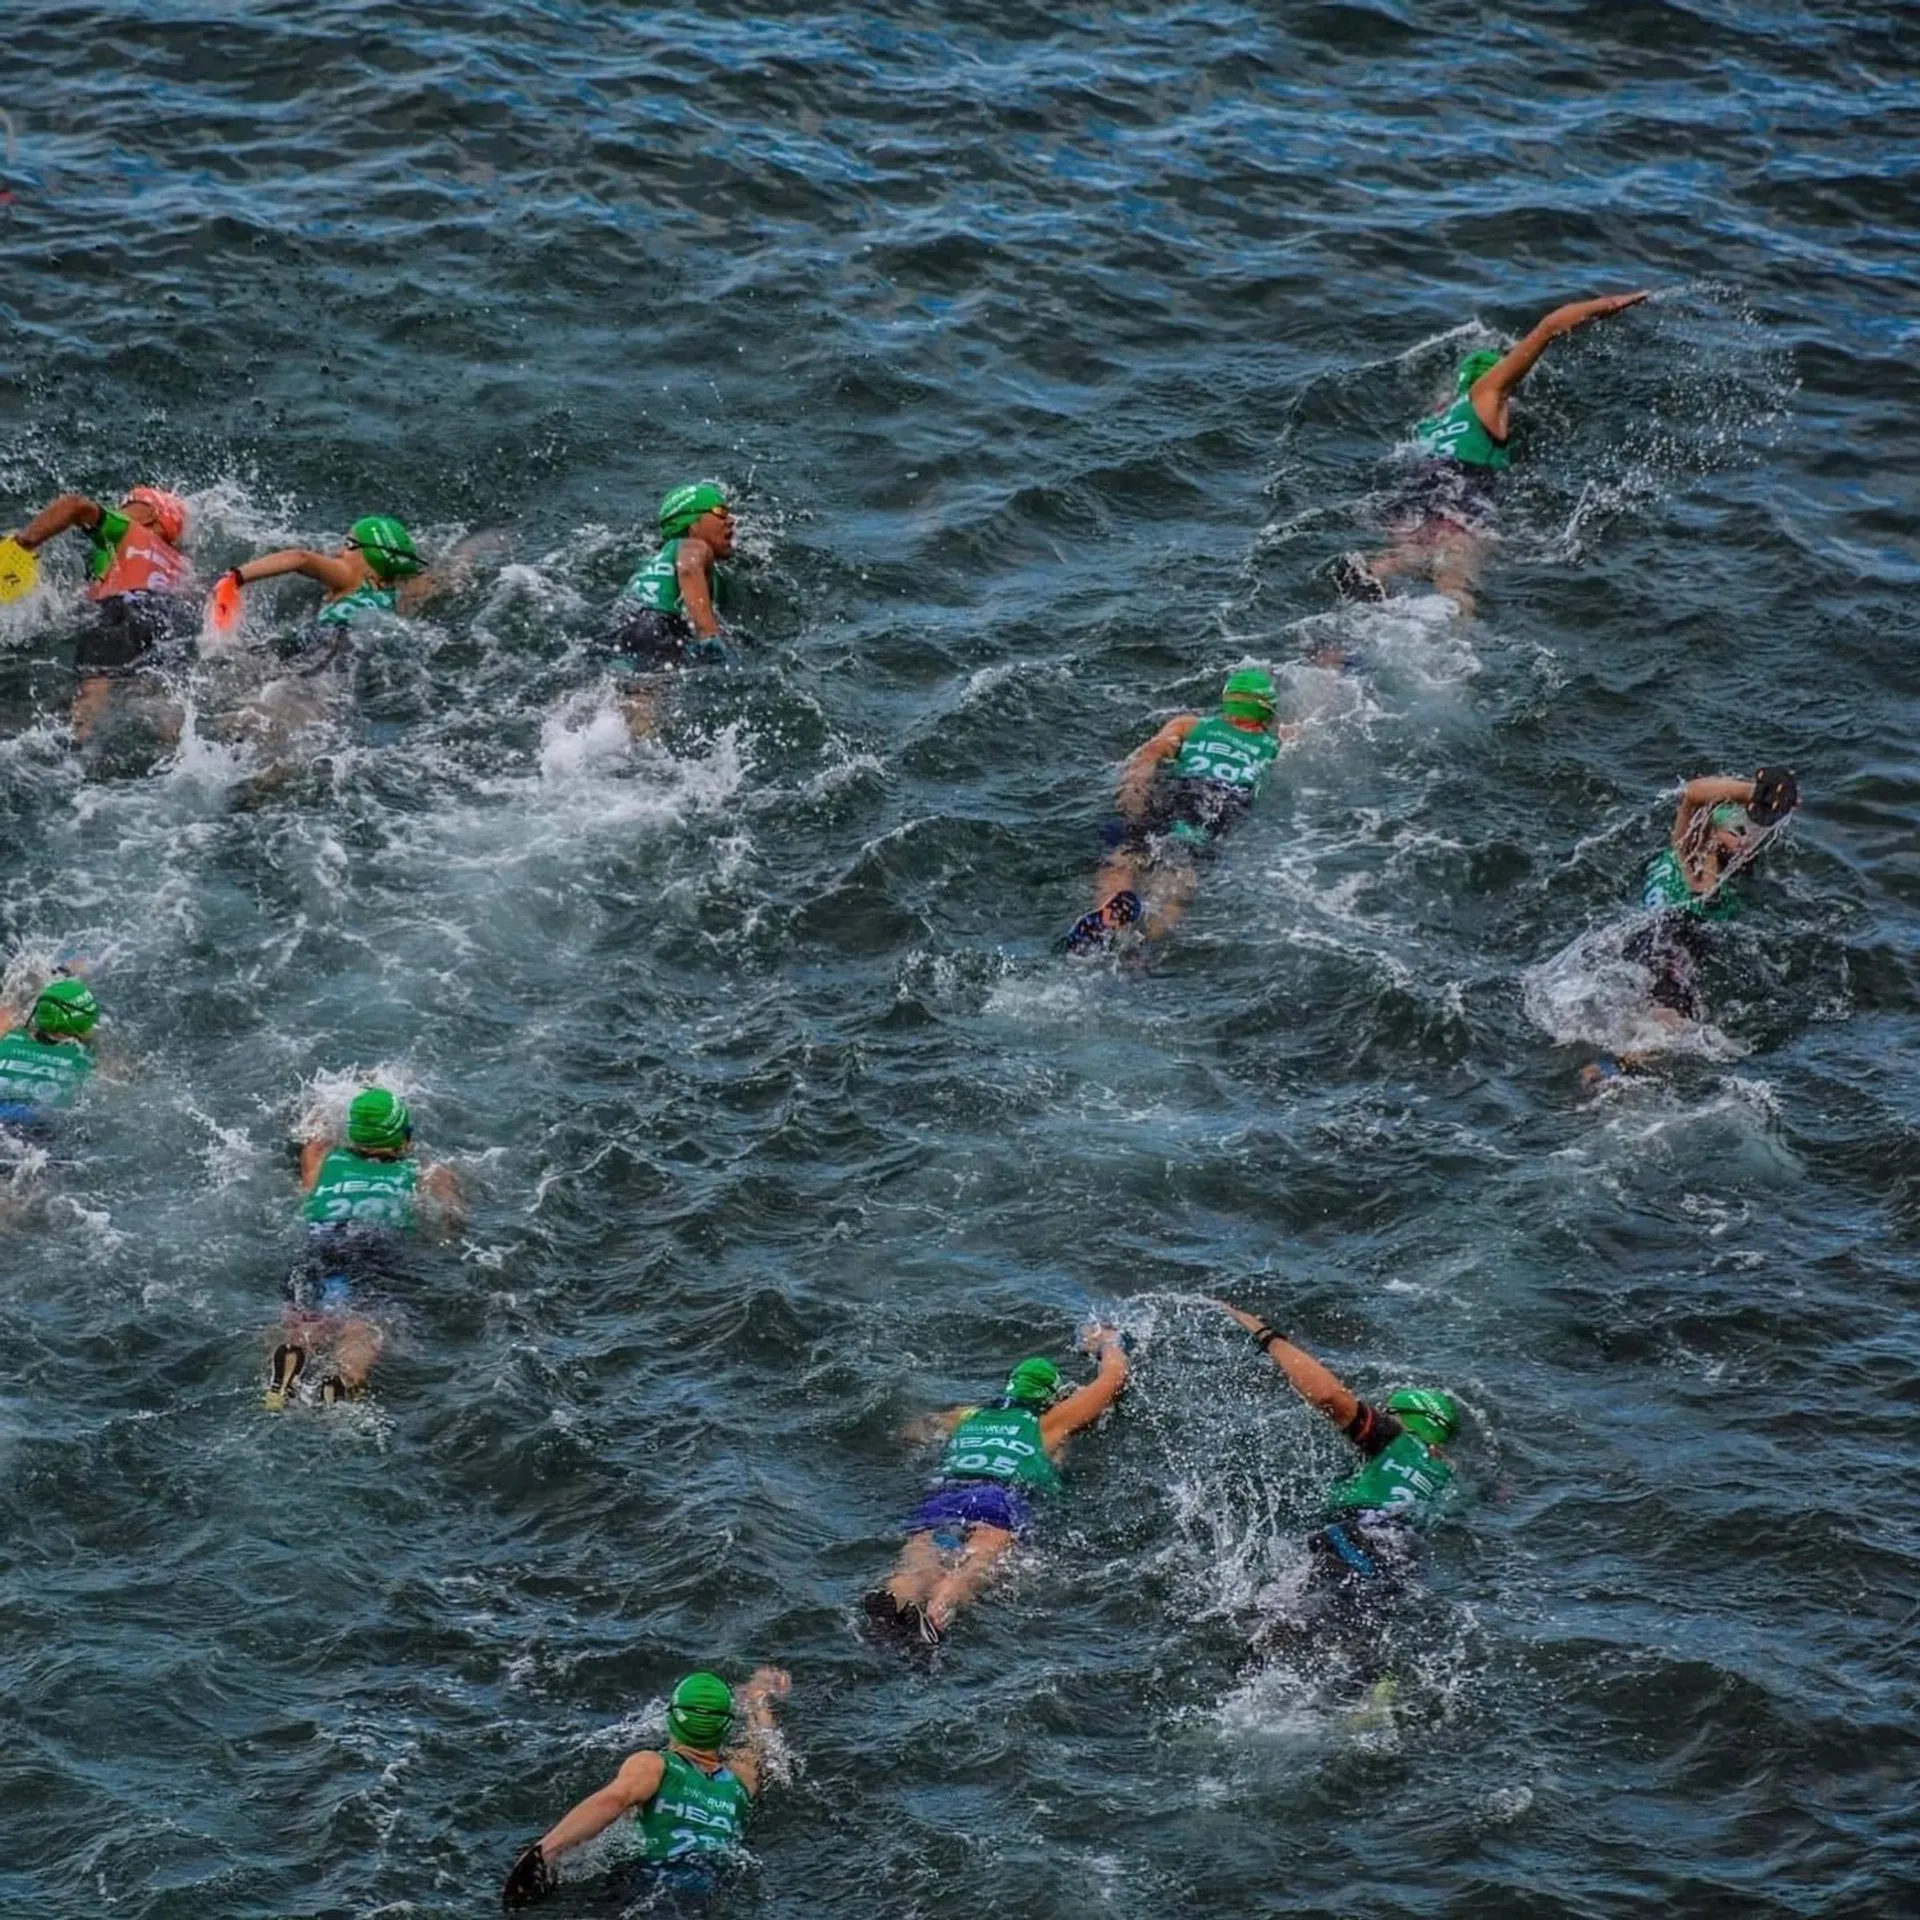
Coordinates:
[1428,1416]
[1248,695]
[700,1714]
[684,505]
[1729,816]
[1032,1382]
[387,544]
[64,1007]
[1475,364]
[378,1118]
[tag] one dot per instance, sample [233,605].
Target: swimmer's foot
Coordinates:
[900,1624]
[333,1390]
[1093,930]
[284,1370]
[1353,579]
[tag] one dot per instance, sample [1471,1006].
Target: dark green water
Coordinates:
[1048,357]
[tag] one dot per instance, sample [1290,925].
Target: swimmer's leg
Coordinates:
[289,1362]
[917,1572]
[1168,892]
[354,1353]
[957,1586]
[1456,569]
[89,704]
[640,709]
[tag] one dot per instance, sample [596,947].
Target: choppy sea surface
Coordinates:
[1048,355]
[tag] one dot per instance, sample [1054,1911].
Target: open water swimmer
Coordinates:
[1180,793]
[139,591]
[664,617]
[377,570]
[45,1061]
[1719,829]
[364,1197]
[997,1461]
[1443,516]
[1364,1554]
[686,1803]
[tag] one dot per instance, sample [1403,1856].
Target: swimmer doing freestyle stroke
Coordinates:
[139,591]
[1719,829]
[689,1801]
[997,1460]
[1180,792]
[364,1196]
[1442,516]
[1363,1556]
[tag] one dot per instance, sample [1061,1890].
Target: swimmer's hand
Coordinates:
[1097,1339]
[768,1683]
[529,1879]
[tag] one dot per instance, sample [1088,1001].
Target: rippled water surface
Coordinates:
[1048,355]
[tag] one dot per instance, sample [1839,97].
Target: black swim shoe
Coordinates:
[1093,930]
[1353,579]
[333,1390]
[284,1370]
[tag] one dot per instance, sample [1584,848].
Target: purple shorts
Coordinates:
[972,1503]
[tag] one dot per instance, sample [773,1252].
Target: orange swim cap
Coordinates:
[169,511]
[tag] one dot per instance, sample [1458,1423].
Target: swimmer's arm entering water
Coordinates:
[1082,1407]
[756,1705]
[1493,390]
[1315,1384]
[1144,763]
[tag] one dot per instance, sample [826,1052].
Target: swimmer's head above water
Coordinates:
[65,1010]
[1033,1383]
[1473,366]
[1248,696]
[700,1713]
[386,546]
[378,1122]
[1427,1415]
[164,512]
[700,508]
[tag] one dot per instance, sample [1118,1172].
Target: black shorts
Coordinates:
[1670,949]
[339,1265]
[1442,496]
[650,638]
[1359,1570]
[126,635]
[1186,814]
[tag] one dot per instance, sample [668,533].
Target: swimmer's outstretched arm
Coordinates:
[333,573]
[1145,761]
[1084,1405]
[70,510]
[1494,388]
[1702,796]
[1315,1384]
[756,1700]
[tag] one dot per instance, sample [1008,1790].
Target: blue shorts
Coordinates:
[971,1503]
